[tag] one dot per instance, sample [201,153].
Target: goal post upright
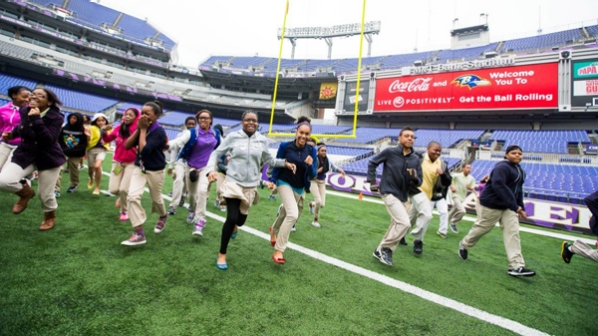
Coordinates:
[373,28]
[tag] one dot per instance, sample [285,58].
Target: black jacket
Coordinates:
[39,139]
[443,183]
[395,178]
[504,190]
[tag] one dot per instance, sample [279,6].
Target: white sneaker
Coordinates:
[134,240]
[293,229]
[223,208]
[198,231]
[316,224]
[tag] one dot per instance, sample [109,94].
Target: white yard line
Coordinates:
[558,235]
[499,321]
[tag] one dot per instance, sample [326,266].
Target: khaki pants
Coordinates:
[442,206]
[12,174]
[457,211]
[178,185]
[420,214]
[120,183]
[72,164]
[94,154]
[584,250]
[198,193]
[509,223]
[248,196]
[219,181]
[478,207]
[318,189]
[154,180]
[399,222]
[292,206]
[6,151]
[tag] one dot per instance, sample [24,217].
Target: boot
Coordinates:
[25,195]
[49,219]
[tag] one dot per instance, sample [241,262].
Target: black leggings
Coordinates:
[233,217]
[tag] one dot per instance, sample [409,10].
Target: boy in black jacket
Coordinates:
[402,169]
[502,201]
[73,142]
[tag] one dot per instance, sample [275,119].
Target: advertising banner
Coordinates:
[585,69]
[584,84]
[517,87]
[351,89]
[328,90]
[585,88]
[591,149]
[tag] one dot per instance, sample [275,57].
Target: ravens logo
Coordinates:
[470,81]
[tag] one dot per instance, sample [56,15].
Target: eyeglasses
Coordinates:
[250,121]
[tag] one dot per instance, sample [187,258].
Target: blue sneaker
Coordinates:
[222,267]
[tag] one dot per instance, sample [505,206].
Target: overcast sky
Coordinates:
[247,27]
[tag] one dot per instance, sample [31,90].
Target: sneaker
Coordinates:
[134,240]
[182,202]
[191,217]
[418,247]
[90,184]
[161,223]
[316,224]
[72,189]
[223,208]
[384,255]
[170,194]
[521,271]
[311,208]
[441,235]
[272,197]
[454,228]
[216,203]
[403,242]
[293,229]
[198,231]
[462,253]
[56,194]
[171,211]
[566,254]
[124,216]
[199,228]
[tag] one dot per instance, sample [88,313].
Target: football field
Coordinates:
[78,279]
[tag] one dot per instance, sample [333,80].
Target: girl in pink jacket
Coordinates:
[10,118]
[124,159]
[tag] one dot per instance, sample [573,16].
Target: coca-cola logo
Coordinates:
[398,102]
[418,84]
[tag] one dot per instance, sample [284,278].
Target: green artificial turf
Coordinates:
[77,279]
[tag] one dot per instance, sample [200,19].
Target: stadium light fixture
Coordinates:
[327,33]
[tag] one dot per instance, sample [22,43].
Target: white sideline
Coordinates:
[499,321]
[557,235]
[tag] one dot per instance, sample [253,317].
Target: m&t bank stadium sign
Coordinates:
[477,64]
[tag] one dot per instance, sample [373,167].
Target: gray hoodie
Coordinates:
[248,155]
